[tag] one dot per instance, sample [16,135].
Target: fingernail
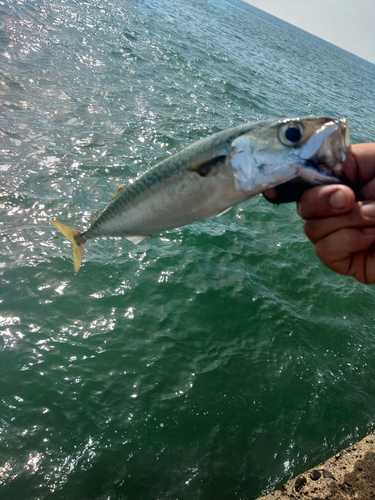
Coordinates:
[368,210]
[338,199]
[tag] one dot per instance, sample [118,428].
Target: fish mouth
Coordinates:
[324,153]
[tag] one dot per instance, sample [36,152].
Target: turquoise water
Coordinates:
[214,361]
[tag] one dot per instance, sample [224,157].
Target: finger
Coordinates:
[348,251]
[367,192]
[359,168]
[287,192]
[361,216]
[326,201]
[359,165]
[270,194]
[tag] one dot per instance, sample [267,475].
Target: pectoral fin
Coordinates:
[209,167]
[223,212]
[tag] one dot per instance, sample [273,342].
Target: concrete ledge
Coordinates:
[349,475]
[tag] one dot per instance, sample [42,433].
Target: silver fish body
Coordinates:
[210,176]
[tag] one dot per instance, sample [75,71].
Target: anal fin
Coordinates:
[135,239]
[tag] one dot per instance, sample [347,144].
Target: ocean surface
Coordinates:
[214,361]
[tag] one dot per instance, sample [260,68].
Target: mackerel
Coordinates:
[210,176]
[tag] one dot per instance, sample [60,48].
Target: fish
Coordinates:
[212,175]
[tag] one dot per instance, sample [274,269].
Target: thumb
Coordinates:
[326,201]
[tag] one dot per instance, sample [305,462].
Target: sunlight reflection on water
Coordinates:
[185,366]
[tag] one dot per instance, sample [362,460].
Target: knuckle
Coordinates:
[309,228]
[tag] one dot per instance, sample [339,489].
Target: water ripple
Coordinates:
[185,366]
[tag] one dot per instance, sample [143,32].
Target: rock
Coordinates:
[300,482]
[328,474]
[315,475]
[347,475]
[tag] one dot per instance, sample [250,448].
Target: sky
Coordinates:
[350,24]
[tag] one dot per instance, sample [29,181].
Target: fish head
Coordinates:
[310,149]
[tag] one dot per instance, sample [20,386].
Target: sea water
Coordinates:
[214,361]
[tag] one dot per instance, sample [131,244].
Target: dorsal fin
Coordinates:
[119,191]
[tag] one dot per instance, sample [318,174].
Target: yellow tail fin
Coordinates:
[71,234]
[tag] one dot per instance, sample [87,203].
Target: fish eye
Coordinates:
[290,133]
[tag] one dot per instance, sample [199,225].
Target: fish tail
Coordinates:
[74,237]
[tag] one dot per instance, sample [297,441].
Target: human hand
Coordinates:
[341,228]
